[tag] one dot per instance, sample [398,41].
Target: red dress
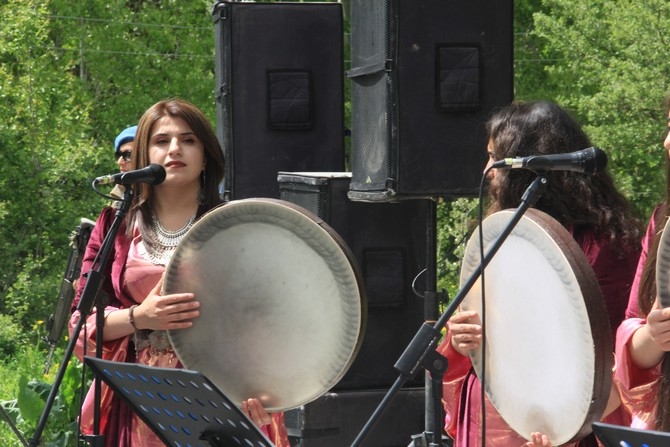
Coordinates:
[461,387]
[131,277]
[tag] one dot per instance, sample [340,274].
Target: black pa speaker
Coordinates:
[425,76]
[336,418]
[279,92]
[388,241]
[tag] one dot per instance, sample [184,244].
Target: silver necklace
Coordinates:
[163,242]
[169,238]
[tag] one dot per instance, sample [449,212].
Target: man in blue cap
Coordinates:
[123,150]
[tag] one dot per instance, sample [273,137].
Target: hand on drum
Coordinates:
[255,412]
[538,440]
[466,331]
[163,312]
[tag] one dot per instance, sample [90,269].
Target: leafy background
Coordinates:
[72,74]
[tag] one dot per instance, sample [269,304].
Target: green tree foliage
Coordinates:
[74,73]
[607,62]
[43,158]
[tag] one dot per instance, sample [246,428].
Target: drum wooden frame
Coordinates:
[549,352]
[282,303]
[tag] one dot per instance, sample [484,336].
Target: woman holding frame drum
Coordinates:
[643,339]
[594,213]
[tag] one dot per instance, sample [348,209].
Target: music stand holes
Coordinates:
[228,407]
[175,398]
[221,422]
[138,393]
[174,429]
[107,372]
[168,412]
[205,418]
[180,414]
[213,404]
[246,427]
[195,385]
[143,379]
[161,426]
[157,380]
[149,394]
[231,423]
[193,416]
[156,410]
[199,401]
[207,387]
[187,400]
[182,384]
[168,381]
[162,396]
[186,431]
[119,375]
[126,390]
[131,377]
[145,409]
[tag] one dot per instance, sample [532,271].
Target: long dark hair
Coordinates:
[647,290]
[214,159]
[579,201]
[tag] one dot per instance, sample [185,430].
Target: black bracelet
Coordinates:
[131,317]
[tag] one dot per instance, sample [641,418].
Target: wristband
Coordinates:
[131,317]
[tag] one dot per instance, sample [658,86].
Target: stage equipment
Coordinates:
[388,241]
[184,408]
[334,419]
[56,322]
[279,92]
[617,436]
[424,77]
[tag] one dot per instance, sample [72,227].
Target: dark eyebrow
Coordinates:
[183,134]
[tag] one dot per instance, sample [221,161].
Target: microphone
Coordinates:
[152,174]
[590,161]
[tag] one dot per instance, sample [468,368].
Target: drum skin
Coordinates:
[548,356]
[282,305]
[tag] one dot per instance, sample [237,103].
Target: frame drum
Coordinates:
[549,350]
[663,267]
[282,304]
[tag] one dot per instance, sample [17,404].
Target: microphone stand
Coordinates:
[421,350]
[86,302]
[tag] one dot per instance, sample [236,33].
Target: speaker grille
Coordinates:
[423,85]
[280,92]
[371,91]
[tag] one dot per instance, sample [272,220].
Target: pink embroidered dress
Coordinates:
[132,277]
[638,387]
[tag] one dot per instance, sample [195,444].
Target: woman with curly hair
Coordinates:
[593,211]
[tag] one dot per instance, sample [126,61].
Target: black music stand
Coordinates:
[618,436]
[181,406]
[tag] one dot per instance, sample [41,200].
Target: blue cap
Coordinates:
[124,137]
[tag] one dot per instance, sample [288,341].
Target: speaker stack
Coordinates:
[388,241]
[279,92]
[425,76]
